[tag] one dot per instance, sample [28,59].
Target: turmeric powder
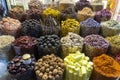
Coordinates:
[106,66]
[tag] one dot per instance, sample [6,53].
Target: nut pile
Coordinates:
[49,67]
[68,13]
[95,45]
[114,45]
[50,27]
[78,67]
[69,25]
[81,4]
[48,44]
[110,28]
[20,70]
[17,13]
[25,44]
[31,28]
[85,13]
[34,14]
[103,15]
[37,4]
[10,26]
[88,27]
[71,43]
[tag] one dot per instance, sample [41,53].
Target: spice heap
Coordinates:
[51,12]
[78,67]
[95,45]
[25,44]
[110,28]
[37,4]
[48,44]
[34,14]
[49,67]
[68,13]
[17,13]
[71,43]
[89,27]
[69,25]
[18,68]
[103,15]
[85,13]
[114,45]
[10,26]
[97,5]
[105,68]
[50,27]
[82,3]
[32,28]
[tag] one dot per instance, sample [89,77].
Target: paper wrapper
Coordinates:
[66,50]
[93,51]
[29,75]
[107,32]
[97,76]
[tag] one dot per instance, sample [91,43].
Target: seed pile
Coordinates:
[103,15]
[31,28]
[69,25]
[95,45]
[89,26]
[71,43]
[49,67]
[48,44]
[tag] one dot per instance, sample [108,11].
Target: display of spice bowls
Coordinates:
[22,67]
[25,44]
[88,27]
[114,45]
[110,28]
[71,43]
[49,67]
[95,45]
[10,26]
[105,68]
[49,44]
[84,14]
[103,15]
